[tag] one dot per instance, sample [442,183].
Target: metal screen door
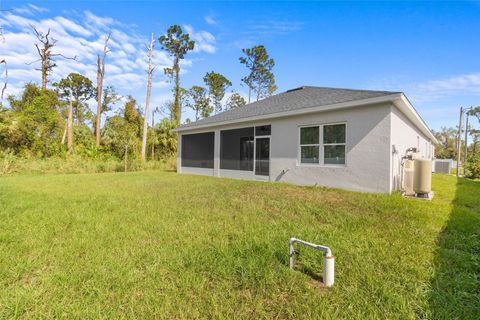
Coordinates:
[262,156]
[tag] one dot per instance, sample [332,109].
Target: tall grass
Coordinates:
[14,165]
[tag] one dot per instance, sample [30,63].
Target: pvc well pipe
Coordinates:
[328,271]
[328,260]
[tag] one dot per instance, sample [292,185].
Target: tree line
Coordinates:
[56,119]
[451,142]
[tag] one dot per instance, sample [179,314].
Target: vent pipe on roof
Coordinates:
[296,89]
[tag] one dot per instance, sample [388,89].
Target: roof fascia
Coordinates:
[404,105]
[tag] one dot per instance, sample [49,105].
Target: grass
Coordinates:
[161,245]
[15,165]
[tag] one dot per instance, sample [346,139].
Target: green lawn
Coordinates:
[162,245]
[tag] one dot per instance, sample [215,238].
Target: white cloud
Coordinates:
[204,41]
[72,26]
[461,84]
[129,48]
[274,27]
[129,80]
[267,28]
[82,34]
[435,89]
[30,9]
[12,20]
[97,21]
[160,84]
[437,100]
[210,20]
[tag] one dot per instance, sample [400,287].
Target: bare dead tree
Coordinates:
[47,57]
[147,102]
[100,77]
[70,128]
[64,136]
[157,109]
[4,62]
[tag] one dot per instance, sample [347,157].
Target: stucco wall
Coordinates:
[201,171]
[405,135]
[367,165]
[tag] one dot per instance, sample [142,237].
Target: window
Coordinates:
[323,141]
[334,144]
[309,144]
[263,130]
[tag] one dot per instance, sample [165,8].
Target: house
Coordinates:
[341,138]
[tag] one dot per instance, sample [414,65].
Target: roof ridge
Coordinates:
[348,89]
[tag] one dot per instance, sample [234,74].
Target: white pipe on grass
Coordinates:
[328,260]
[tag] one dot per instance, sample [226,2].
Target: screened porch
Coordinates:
[244,150]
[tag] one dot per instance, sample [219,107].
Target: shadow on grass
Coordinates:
[455,287]
[311,273]
[314,274]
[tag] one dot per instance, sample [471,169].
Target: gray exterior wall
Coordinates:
[368,156]
[404,135]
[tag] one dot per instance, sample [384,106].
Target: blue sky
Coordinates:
[429,50]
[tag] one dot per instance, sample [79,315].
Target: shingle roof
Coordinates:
[291,100]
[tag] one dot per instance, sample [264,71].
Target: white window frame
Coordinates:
[300,145]
[321,146]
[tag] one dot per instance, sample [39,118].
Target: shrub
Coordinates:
[167,139]
[7,162]
[472,168]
